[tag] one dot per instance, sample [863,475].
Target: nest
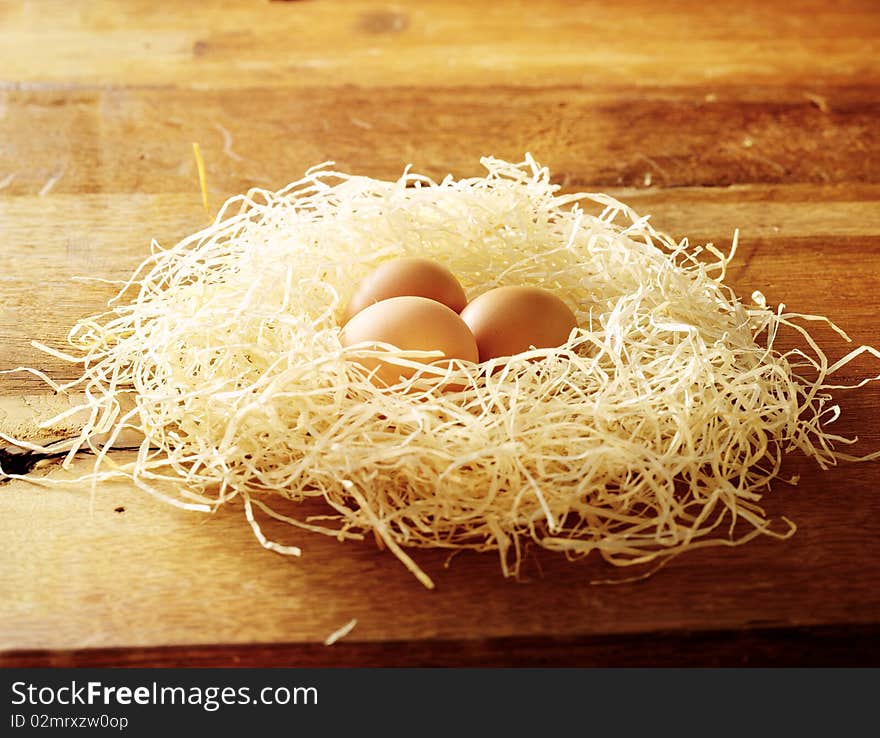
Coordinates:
[657,427]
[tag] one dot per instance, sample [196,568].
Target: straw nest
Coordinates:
[657,427]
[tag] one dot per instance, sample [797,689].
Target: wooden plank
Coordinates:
[823,646]
[111,140]
[80,571]
[307,44]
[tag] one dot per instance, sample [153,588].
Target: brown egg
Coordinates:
[410,323]
[508,320]
[408,276]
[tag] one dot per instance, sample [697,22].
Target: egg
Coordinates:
[410,323]
[508,320]
[413,276]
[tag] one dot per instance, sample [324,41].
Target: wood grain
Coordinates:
[219,44]
[90,565]
[112,139]
[709,116]
[822,646]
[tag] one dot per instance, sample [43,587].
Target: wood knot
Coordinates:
[382,21]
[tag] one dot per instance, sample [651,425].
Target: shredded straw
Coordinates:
[339,634]
[200,167]
[656,428]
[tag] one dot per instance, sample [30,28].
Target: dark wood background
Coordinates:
[711,116]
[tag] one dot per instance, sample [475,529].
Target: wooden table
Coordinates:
[709,116]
